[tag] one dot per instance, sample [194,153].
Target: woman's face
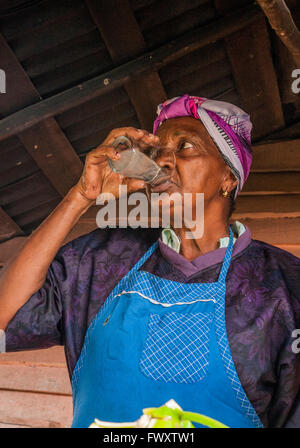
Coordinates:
[191,158]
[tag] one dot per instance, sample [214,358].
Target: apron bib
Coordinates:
[155,339]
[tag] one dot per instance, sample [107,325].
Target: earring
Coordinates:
[225,193]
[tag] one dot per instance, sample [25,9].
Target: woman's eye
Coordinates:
[187,145]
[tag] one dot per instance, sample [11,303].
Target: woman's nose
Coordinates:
[166,159]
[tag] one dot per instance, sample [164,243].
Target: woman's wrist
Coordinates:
[77,201]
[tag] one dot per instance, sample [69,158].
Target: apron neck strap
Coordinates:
[224,269]
[143,258]
[227,258]
[141,261]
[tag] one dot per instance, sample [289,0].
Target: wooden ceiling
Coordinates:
[76,69]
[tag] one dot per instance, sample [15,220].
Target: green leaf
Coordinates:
[203,420]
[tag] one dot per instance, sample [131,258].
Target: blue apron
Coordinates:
[155,339]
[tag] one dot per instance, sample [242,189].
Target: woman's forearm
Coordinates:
[26,273]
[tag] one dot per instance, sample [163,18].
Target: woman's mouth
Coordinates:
[163,186]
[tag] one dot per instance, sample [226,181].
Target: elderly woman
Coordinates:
[147,315]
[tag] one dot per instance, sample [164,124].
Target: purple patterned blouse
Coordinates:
[262,307]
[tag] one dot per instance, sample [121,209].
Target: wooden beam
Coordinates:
[146,92]
[47,357]
[268,183]
[8,227]
[53,153]
[124,45]
[20,91]
[153,60]
[255,78]
[276,156]
[285,66]
[46,142]
[281,232]
[278,231]
[288,133]
[118,27]
[36,378]
[10,248]
[42,410]
[292,248]
[267,206]
[282,22]
[249,52]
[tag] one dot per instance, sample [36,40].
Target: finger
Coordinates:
[102,152]
[148,138]
[127,131]
[134,185]
[133,133]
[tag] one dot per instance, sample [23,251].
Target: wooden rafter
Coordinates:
[146,90]
[53,153]
[46,142]
[8,228]
[154,60]
[281,21]
[20,92]
[249,53]
[285,67]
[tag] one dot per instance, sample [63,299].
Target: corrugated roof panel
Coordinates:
[206,75]
[15,166]
[218,90]
[99,121]
[33,189]
[31,219]
[172,26]
[40,39]
[205,72]
[58,44]
[76,72]
[86,126]
[100,104]
[196,60]
[15,162]
[34,14]
[89,142]
[230,95]
[148,18]
[66,53]
[28,194]
[139,4]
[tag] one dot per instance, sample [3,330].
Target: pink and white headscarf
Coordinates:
[228,125]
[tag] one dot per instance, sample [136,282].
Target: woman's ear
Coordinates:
[230,181]
[234,181]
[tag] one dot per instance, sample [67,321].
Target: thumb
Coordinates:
[135,185]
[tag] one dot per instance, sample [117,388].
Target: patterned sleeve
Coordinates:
[285,408]
[38,323]
[289,364]
[293,420]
